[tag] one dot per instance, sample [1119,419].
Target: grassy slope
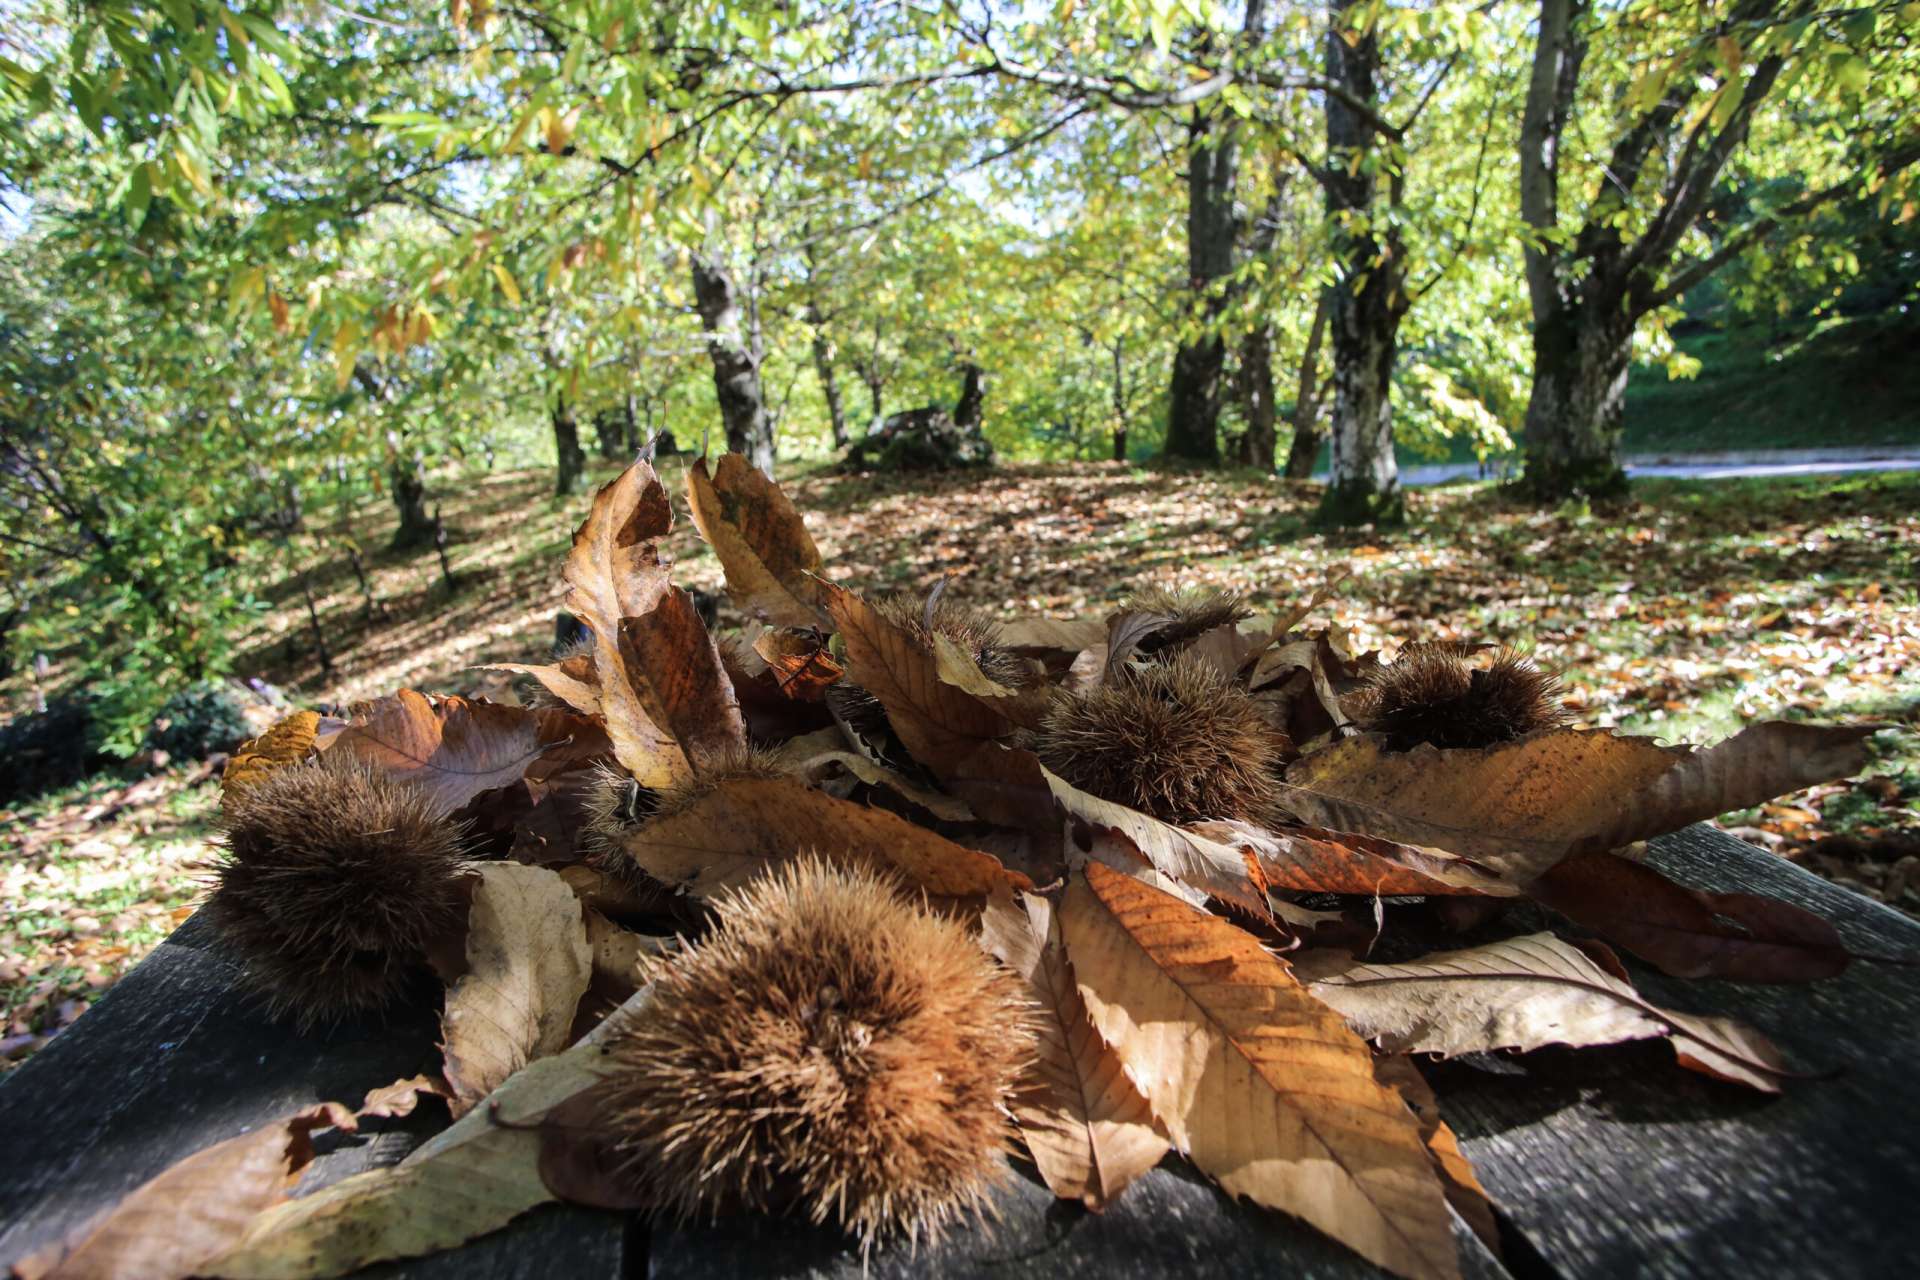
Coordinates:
[1852,383]
[1855,382]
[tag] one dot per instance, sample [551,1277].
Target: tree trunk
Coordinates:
[1119,404]
[736,365]
[1307,396]
[1367,299]
[571,462]
[610,432]
[630,420]
[973,395]
[1193,396]
[1574,411]
[407,484]
[1256,394]
[876,386]
[829,384]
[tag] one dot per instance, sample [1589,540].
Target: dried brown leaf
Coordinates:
[194,1211]
[1259,1084]
[617,569]
[1688,933]
[528,963]
[1088,1129]
[453,749]
[572,681]
[761,541]
[1312,860]
[470,1179]
[675,672]
[1526,992]
[735,831]
[939,723]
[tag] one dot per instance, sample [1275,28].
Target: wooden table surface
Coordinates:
[1605,1162]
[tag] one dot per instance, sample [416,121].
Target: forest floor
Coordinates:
[1697,607]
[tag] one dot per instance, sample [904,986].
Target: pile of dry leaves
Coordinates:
[830,917]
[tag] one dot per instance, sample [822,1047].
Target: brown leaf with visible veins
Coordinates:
[761,541]
[1261,1085]
[801,666]
[1464,1192]
[454,749]
[1690,934]
[676,673]
[736,830]
[1312,860]
[617,569]
[1088,1129]
[573,681]
[1522,806]
[527,966]
[1526,992]
[939,723]
[1217,869]
[175,1223]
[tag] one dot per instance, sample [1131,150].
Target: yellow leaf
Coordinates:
[286,743]
[346,346]
[508,285]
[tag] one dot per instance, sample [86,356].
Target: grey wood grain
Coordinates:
[173,1059]
[1617,1162]
[1171,1222]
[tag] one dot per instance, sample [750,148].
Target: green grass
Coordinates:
[1844,383]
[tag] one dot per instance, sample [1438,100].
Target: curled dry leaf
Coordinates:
[288,742]
[1088,1129]
[528,964]
[572,681]
[393,1101]
[620,955]
[1464,1192]
[1312,860]
[1208,865]
[939,723]
[453,749]
[940,805]
[1526,992]
[958,667]
[617,569]
[194,1211]
[675,672]
[1688,933]
[1522,806]
[1258,1083]
[763,545]
[473,1178]
[802,667]
[733,832]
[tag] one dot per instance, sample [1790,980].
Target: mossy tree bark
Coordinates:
[733,344]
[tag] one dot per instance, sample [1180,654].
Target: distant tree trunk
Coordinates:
[1120,420]
[630,420]
[1256,397]
[876,384]
[610,432]
[407,483]
[1307,393]
[736,364]
[571,461]
[1369,299]
[1193,395]
[829,384]
[973,395]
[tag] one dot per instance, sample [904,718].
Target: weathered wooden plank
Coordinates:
[173,1060]
[1617,1162]
[1172,1222]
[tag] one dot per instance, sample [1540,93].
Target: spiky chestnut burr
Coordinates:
[333,883]
[1441,695]
[1191,613]
[1175,739]
[831,1049]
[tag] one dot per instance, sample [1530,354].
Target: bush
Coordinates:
[198,721]
[46,750]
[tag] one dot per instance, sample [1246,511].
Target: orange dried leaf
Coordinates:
[762,543]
